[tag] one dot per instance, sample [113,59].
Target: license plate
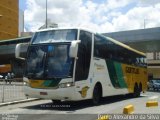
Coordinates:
[43,93]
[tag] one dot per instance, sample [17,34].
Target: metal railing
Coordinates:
[11,90]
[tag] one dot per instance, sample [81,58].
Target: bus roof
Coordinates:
[64,28]
[111,39]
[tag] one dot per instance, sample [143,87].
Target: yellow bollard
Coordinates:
[129,109]
[152,104]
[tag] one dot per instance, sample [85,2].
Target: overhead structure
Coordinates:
[145,40]
[142,39]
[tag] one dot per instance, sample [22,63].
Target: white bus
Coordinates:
[75,64]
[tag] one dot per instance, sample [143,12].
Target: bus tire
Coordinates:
[140,87]
[136,91]
[97,94]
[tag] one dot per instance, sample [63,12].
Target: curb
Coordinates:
[20,101]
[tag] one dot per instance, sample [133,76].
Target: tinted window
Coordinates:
[84,56]
[106,49]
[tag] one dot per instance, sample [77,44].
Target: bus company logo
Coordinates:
[103,117]
[83,92]
[99,67]
[132,70]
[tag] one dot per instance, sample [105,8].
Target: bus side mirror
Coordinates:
[74,48]
[18,51]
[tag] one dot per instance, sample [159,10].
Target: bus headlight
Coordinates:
[65,85]
[25,83]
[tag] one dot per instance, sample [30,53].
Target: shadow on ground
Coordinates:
[73,106]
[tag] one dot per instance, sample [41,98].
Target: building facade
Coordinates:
[9,19]
[153,60]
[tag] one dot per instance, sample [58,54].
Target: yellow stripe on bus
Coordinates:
[133,75]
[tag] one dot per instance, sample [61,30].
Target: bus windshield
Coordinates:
[51,36]
[49,61]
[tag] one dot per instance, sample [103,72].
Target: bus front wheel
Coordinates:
[97,94]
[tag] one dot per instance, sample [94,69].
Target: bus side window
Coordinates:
[84,56]
[141,61]
[137,61]
[110,55]
[145,61]
[103,48]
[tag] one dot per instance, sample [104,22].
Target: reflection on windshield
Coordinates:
[58,62]
[54,35]
[49,61]
[35,63]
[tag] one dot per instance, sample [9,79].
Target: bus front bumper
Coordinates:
[66,94]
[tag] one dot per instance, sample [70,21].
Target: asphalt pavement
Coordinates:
[84,110]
